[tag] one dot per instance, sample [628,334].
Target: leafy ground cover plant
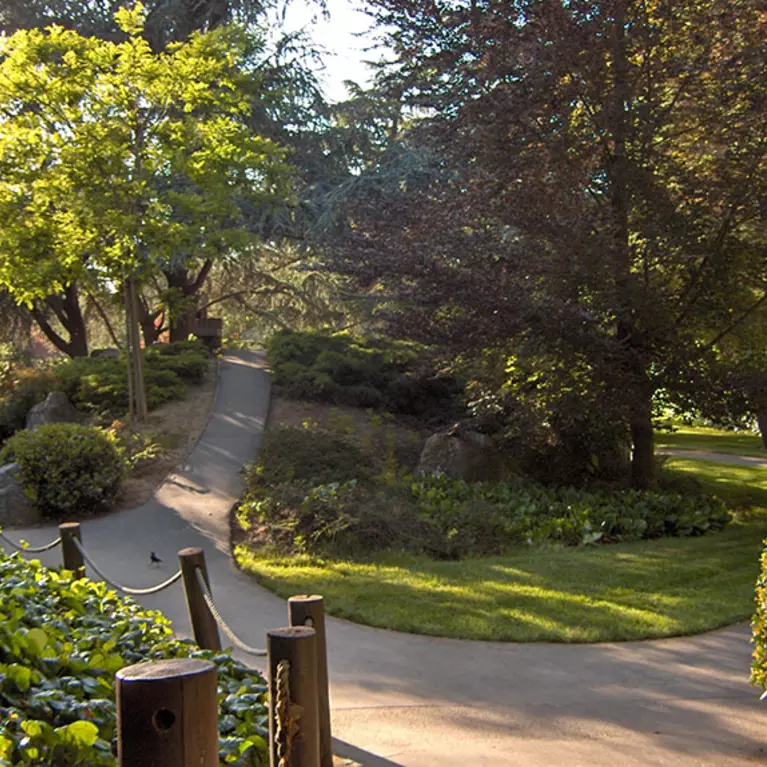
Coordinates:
[61,642]
[315,493]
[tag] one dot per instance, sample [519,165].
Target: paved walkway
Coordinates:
[427,702]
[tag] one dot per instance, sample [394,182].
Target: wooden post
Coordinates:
[300,745]
[70,554]
[203,623]
[309,610]
[167,714]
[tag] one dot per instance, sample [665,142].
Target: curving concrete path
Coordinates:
[426,702]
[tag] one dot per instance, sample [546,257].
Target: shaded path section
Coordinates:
[699,455]
[429,702]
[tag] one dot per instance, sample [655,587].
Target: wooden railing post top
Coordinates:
[305,598]
[69,526]
[190,551]
[161,670]
[292,632]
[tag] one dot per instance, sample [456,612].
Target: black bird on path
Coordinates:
[154,559]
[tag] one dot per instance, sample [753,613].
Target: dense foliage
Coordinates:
[375,373]
[66,467]
[97,385]
[295,505]
[61,643]
[759,628]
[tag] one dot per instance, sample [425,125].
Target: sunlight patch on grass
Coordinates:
[710,440]
[619,592]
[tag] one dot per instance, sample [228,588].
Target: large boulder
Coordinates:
[468,455]
[16,510]
[55,409]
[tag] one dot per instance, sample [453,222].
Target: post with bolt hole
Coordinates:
[167,714]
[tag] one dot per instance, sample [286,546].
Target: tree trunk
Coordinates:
[643,442]
[761,420]
[66,307]
[182,320]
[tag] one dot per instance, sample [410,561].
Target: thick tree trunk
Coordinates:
[66,307]
[761,420]
[643,442]
[182,321]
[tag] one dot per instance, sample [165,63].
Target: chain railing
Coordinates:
[118,586]
[23,546]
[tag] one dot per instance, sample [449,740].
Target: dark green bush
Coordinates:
[66,466]
[370,373]
[61,642]
[187,359]
[315,492]
[290,454]
[29,387]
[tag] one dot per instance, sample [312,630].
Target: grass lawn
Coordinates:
[601,593]
[710,440]
[639,590]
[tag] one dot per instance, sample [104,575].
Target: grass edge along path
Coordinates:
[706,439]
[642,590]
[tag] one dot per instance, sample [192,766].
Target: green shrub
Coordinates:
[66,466]
[187,359]
[370,373]
[61,642]
[318,493]
[759,628]
[290,454]
[29,387]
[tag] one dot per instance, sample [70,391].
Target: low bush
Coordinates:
[759,628]
[66,466]
[61,643]
[187,359]
[29,387]
[370,373]
[300,502]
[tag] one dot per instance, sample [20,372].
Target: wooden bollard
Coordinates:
[71,557]
[298,741]
[309,610]
[203,623]
[167,714]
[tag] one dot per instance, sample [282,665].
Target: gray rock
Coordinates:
[15,508]
[467,455]
[111,354]
[55,409]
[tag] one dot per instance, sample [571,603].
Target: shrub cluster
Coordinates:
[99,384]
[759,627]
[300,504]
[61,643]
[371,373]
[66,466]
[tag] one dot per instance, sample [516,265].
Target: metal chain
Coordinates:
[126,589]
[286,715]
[235,640]
[30,549]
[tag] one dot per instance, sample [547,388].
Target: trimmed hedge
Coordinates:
[759,628]
[61,642]
[66,466]
[305,505]
[373,373]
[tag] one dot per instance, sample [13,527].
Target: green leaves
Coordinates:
[62,640]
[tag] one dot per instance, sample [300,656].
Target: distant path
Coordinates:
[429,702]
[699,455]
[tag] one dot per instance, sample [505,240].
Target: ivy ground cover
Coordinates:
[61,643]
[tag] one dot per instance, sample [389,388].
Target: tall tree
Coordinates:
[601,186]
[115,160]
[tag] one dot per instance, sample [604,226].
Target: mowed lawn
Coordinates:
[708,440]
[640,590]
